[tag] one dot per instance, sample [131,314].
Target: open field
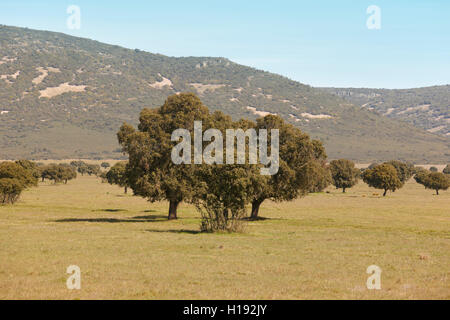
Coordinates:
[318,247]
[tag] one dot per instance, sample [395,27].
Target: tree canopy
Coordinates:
[434,180]
[344,173]
[383,176]
[117,175]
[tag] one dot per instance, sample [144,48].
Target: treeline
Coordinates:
[22,174]
[222,192]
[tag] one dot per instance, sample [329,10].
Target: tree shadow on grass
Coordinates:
[155,218]
[260,219]
[109,210]
[175,231]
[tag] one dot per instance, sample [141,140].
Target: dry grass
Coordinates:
[317,247]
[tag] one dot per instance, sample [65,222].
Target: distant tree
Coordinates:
[83,169]
[434,181]
[66,172]
[118,175]
[404,170]
[344,173]
[10,190]
[78,163]
[420,175]
[93,169]
[14,178]
[434,169]
[318,175]
[105,165]
[447,169]
[13,170]
[58,173]
[383,176]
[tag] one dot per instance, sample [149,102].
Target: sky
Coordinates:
[320,43]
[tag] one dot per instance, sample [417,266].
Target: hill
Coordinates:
[427,108]
[65,97]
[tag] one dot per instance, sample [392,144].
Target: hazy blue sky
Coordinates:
[322,43]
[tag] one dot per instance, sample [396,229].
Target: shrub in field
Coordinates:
[222,199]
[434,169]
[344,173]
[383,176]
[434,181]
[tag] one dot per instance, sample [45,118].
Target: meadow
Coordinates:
[317,247]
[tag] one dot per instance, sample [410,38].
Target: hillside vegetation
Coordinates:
[62,97]
[427,108]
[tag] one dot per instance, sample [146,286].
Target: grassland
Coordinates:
[318,247]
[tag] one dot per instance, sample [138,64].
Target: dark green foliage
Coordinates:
[319,176]
[31,167]
[14,178]
[93,169]
[10,190]
[433,180]
[383,176]
[13,170]
[344,173]
[58,173]
[434,169]
[117,175]
[421,175]
[302,166]
[151,172]
[404,170]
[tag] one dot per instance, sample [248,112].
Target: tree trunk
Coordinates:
[225,214]
[437,192]
[343,190]
[126,190]
[255,209]
[384,194]
[173,210]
